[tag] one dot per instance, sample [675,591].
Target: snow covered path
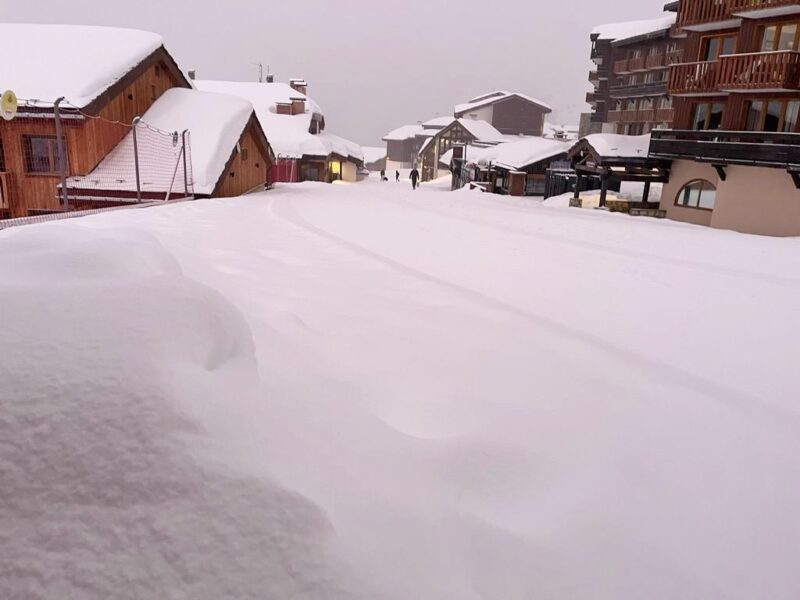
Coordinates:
[481,397]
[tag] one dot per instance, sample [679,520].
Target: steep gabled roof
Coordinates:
[78,62]
[494,98]
[289,135]
[215,123]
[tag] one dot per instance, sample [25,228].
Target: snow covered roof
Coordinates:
[518,155]
[612,145]
[493,98]
[438,122]
[631,29]
[288,135]
[483,131]
[374,153]
[75,61]
[406,132]
[215,123]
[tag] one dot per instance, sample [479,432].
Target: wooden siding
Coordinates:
[89,140]
[517,116]
[245,174]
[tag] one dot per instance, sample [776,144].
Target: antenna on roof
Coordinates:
[260,71]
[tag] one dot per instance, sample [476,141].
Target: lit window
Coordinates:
[697,194]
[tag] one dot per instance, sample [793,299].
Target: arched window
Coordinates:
[697,194]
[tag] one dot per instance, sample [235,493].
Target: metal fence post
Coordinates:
[185,169]
[62,155]
[135,123]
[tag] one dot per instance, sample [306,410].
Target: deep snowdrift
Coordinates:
[468,397]
[114,367]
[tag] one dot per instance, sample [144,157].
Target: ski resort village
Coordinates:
[303,303]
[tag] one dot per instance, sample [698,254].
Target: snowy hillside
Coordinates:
[363,392]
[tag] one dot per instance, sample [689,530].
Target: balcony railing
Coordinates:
[738,72]
[694,78]
[645,115]
[707,12]
[665,115]
[739,7]
[591,98]
[674,57]
[768,149]
[594,76]
[621,67]
[656,61]
[637,64]
[766,70]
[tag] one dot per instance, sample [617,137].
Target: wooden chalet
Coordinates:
[227,156]
[735,146]
[136,70]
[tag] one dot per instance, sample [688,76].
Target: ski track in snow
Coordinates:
[785,420]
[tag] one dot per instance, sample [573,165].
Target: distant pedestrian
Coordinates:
[397,176]
[383,175]
[414,177]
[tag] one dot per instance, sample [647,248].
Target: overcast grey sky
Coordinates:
[372,66]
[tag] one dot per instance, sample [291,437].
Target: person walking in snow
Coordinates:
[414,177]
[397,176]
[383,175]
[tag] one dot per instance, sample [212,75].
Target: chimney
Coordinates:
[192,74]
[298,106]
[270,78]
[299,85]
[284,108]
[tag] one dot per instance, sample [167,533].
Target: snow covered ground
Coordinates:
[360,391]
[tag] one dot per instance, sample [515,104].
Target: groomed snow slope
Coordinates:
[78,62]
[467,396]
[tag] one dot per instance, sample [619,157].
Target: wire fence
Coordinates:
[68,161]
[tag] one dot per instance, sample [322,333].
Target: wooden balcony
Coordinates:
[694,78]
[703,12]
[637,64]
[744,7]
[664,115]
[656,61]
[712,14]
[594,76]
[621,67]
[778,150]
[675,57]
[760,71]
[591,98]
[648,115]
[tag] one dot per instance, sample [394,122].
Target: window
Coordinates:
[773,115]
[714,47]
[783,36]
[708,115]
[697,194]
[41,154]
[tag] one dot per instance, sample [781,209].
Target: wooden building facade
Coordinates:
[30,172]
[630,93]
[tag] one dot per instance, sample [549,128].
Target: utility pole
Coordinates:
[62,155]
